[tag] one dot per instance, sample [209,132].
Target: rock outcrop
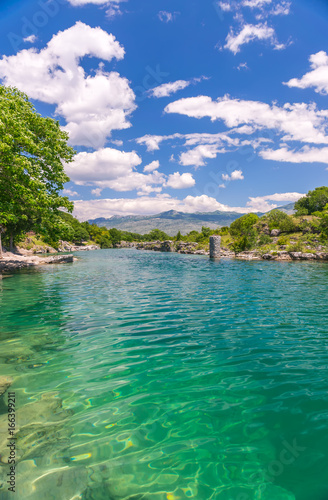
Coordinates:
[11,262]
[65,246]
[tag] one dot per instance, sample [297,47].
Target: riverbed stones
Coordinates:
[5,383]
[39,429]
[215,247]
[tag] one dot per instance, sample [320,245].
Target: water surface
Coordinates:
[154,376]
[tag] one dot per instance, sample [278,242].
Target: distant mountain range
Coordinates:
[171,222]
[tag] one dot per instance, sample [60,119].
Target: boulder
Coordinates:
[275,232]
[167,246]
[5,383]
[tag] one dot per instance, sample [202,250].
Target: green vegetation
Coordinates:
[314,201]
[32,152]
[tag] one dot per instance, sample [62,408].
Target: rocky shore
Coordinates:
[192,249]
[38,256]
[12,262]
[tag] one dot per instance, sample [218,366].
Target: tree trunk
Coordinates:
[11,243]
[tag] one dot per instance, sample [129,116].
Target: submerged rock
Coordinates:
[39,429]
[5,383]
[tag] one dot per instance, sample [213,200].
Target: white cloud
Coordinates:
[146,205]
[197,155]
[180,181]
[255,3]
[249,33]
[266,7]
[93,106]
[204,146]
[304,155]
[69,192]
[167,89]
[317,78]
[80,3]
[222,186]
[154,165]
[281,9]
[236,175]
[96,192]
[150,205]
[242,66]
[30,39]
[167,17]
[262,203]
[102,168]
[299,122]
[152,142]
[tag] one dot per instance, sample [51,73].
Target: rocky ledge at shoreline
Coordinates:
[192,249]
[12,262]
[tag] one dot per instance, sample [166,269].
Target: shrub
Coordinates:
[314,201]
[264,240]
[280,220]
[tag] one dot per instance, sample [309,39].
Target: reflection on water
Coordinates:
[156,376]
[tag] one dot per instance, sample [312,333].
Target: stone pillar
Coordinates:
[215,247]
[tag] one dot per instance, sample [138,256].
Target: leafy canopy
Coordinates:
[32,152]
[314,201]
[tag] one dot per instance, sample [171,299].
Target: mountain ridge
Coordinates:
[173,221]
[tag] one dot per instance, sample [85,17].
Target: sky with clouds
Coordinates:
[183,105]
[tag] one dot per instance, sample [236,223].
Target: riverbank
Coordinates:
[193,249]
[39,255]
[13,262]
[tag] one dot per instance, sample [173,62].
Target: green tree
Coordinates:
[277,219]
[178,236]
[115,236]
[314,201]
[243,232]
[32,152]
[206,231]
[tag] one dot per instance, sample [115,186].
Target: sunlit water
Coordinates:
[141,375]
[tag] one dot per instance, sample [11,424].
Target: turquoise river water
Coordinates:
[151,376]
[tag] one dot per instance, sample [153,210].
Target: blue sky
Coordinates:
[185,105]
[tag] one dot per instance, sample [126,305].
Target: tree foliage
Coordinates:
[32,152]
[314,201]
[276,219]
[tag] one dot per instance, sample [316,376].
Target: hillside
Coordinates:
[172,221]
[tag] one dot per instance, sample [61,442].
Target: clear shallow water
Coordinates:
[160,376]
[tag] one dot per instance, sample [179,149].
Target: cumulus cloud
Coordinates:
[110,168]
[146,205]
[80,3]
[262,203]
[167,89]
[180,181]
[30,39]
[154,165]
[304,155]
[102,168]
[266,7]
[96,192]
[197,155]
[297,122]
[93,106]
[236,175]
[317,77]
[249,33]
[150,205]
[204,146]
[69,192]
